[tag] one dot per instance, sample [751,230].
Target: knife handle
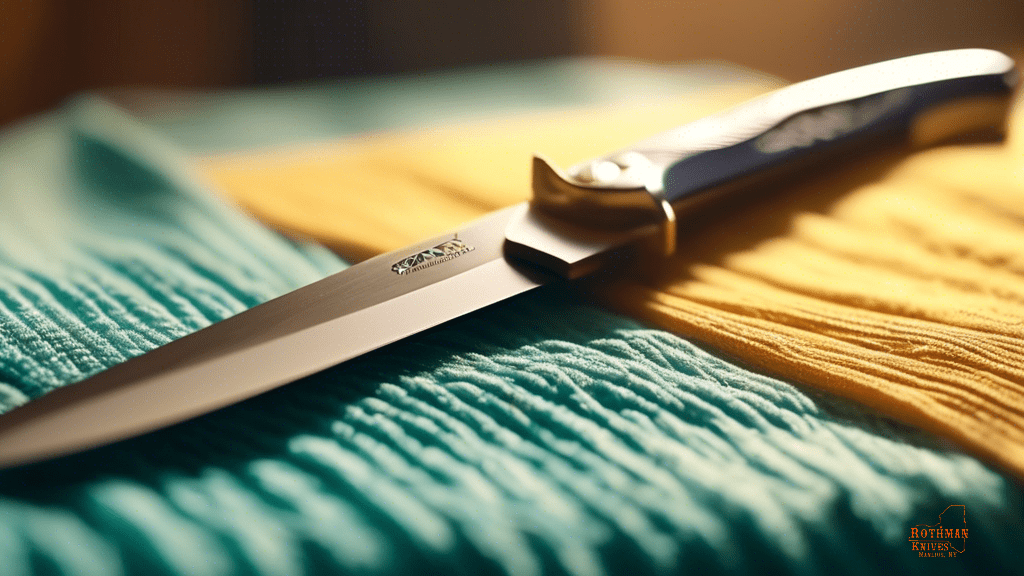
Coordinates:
[925,99]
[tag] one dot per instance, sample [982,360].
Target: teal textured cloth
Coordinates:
[539,436]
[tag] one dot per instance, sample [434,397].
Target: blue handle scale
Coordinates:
[925,98]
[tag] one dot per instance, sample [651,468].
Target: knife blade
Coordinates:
[578,220]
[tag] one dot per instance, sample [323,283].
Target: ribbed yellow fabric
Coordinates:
[897,281]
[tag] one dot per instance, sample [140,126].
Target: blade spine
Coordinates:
[188,347]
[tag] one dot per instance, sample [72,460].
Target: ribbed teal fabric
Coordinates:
[540,436]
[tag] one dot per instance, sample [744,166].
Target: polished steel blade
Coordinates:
[338,318]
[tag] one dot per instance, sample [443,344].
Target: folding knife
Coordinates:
[578,218]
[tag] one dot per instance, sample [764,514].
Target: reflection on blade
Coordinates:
[338,318]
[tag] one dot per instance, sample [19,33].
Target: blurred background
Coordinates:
[49,49]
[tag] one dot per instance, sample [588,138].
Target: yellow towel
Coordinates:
[897,281]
